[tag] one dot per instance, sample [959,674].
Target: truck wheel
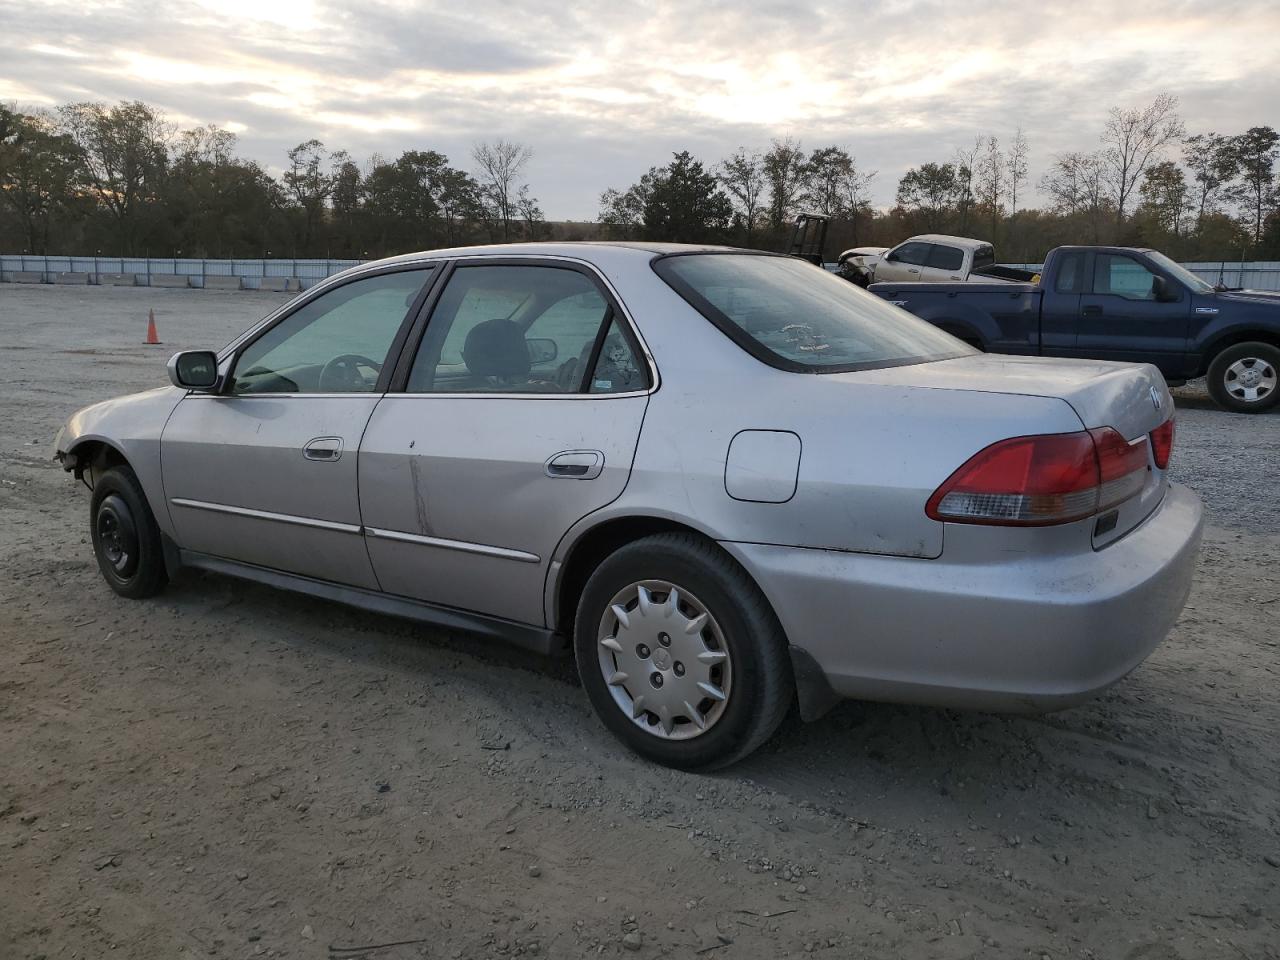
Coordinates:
[1246,377]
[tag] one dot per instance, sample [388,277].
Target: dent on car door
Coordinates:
[520,415]
[265,471]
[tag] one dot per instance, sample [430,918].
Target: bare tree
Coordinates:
[1076,184]
[965,163]
[1016,167]
[742,175]
[991,182]
[1132,139]
[498,169]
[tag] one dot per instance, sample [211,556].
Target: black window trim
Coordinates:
[412,341]
[231,354]
[753,346]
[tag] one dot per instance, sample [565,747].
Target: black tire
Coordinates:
[126,538]
[1222,378]
[762,685]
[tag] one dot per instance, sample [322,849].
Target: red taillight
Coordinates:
[1035,481]
[1162,443]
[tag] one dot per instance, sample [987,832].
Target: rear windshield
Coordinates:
[798,317]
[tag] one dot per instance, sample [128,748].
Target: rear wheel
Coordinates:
[126,538]
[680,653]
[1246,377]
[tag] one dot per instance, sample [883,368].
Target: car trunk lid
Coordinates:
[1133,399]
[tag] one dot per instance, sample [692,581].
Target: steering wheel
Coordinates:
[342,374]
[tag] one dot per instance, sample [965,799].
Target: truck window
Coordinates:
[983,258]
[1070,273]
[1122,276]
[945,258]
[914,253]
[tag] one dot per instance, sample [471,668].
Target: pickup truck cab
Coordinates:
[937,258]
[1117,303]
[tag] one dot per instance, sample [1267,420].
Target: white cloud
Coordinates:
[602,92]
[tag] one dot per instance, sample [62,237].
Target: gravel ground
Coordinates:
[228,771]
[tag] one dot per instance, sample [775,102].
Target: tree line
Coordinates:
[1146,183]
[121,180]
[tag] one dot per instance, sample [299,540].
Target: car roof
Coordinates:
[967,243]
[576,249]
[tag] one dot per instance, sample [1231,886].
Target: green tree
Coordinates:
[1164,195]
[929,192]
[1212,164]
[686,204]
[123,156]
[309,182]
[38,171]
[785,171]
[1255,153]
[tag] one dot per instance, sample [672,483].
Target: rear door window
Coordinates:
[945,258]
[794,317]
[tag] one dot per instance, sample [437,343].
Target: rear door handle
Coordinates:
[323,448]
[576,464]
[1091,311]
[909,270]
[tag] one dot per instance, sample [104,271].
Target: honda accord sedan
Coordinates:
[725,480]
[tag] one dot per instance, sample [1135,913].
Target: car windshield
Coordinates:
[1181,273]
[792,316]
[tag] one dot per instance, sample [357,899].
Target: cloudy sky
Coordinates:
[603,90]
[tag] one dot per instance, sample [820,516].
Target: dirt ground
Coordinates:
[228,771]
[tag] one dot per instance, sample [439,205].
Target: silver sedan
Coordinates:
[726,481]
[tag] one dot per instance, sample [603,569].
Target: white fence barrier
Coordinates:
[168,272]
[301,274]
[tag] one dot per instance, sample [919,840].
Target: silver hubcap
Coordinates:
[1250,379]
[665,660]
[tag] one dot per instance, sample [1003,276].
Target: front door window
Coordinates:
[337,343]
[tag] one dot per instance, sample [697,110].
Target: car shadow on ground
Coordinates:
[900,753]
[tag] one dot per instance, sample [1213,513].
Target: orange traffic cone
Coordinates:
[152,336]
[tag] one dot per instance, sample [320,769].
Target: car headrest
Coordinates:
[496,348]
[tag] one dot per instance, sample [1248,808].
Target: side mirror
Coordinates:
[194,370]
[542,350]
[1164,291]
[892,256]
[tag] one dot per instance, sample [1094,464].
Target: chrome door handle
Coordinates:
[323,448]
[576,464]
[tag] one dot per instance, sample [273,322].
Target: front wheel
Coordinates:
[680,653]
[1246,377]
[126,538]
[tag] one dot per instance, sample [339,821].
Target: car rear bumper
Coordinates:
[1021,634]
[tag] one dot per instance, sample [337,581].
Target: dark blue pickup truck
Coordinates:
[1118,303]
